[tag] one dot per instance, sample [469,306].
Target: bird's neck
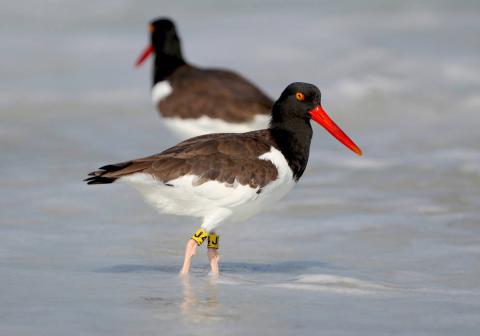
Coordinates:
[165,65]
[293,139]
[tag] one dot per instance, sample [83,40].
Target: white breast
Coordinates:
[160,91]
[273,191]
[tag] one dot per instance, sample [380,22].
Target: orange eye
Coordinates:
[300,96]
[151,28]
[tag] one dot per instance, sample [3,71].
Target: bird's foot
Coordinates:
[212,252]
[196,240]
[213,257]
[190,250]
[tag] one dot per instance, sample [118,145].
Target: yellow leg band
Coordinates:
[200,236]
[213,241]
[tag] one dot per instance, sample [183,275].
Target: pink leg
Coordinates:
[213,257]
[189,253]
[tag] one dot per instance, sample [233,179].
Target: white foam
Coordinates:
[360,87]
[462,73]
[335,284]
[472,101]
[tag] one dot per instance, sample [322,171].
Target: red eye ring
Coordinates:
[300,96]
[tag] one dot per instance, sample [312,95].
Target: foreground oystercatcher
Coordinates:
[228,177]
[195,101]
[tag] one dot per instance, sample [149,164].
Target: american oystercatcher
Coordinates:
[228,177]
[195,101]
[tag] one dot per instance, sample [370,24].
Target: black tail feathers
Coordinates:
[99,180]
[97,177]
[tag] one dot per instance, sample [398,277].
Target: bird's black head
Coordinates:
[295,102]
[165,44]
[164,37]
[297,105]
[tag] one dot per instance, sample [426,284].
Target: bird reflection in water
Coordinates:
[200,305]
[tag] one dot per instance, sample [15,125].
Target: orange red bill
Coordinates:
[321,117]
[144,55]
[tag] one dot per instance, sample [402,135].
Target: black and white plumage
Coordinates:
[195,101]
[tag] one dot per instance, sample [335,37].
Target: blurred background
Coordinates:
[388,243]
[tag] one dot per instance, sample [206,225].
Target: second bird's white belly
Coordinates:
[192,127]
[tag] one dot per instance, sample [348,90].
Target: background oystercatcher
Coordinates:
[229,177]
[195,101]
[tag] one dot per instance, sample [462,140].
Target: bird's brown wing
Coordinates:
[225,158]
[214,93]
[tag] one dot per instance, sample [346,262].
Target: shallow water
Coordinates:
[384,244]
